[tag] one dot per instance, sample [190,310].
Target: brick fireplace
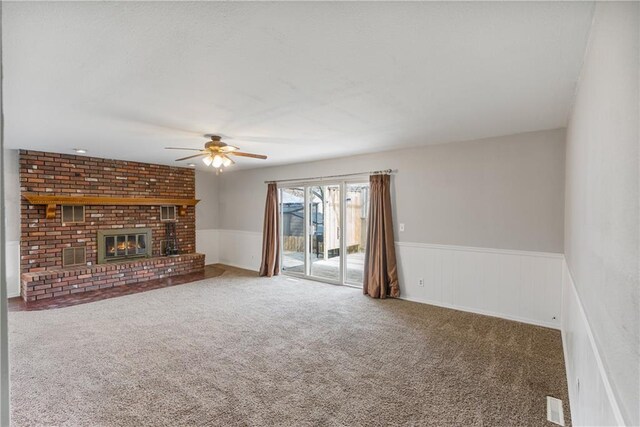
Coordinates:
[59,248]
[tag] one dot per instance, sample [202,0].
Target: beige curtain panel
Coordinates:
[271,234]
[380,266]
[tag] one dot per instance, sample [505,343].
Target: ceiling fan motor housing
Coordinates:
[215,143]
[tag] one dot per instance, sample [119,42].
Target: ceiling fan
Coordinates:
[217,153]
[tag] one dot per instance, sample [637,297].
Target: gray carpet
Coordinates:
[239,350]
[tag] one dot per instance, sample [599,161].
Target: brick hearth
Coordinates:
[43,240]
[55,282]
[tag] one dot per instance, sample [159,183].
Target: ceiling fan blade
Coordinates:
[177,148]
[228,148]
[271,140]
[239,153]
[191,157]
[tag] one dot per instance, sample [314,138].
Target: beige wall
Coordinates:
[602,218]
[207,193]
[505,193]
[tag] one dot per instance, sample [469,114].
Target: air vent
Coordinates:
[554,411]
[74,256]
[167,213]
[72,214]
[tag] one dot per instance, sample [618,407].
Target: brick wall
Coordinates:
[42,240]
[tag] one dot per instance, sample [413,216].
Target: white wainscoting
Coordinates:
[241,249]
[516,285]
[13,268]
[590,395]
[207,243]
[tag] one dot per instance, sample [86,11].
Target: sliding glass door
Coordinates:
[323,230]
[356,223]
[293,230]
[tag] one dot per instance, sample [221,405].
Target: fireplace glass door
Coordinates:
[123,244]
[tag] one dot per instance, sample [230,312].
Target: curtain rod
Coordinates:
[380,172]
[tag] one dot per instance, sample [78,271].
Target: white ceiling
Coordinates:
[295,81]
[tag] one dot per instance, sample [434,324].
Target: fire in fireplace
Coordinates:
[116,245]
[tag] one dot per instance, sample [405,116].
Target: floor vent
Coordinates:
[554,411]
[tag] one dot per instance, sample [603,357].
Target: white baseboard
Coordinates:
[535,322]
[515,285]
[244,267]
[591,397]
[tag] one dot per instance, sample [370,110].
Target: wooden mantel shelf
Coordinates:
[53,200]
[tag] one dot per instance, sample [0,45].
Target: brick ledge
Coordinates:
[53,272]
[58,281]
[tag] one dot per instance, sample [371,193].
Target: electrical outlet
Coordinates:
[420,282]
[401,227]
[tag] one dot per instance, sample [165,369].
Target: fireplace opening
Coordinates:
[117,245]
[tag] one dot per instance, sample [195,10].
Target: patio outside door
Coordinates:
[355,227]
[292,214]
[323,230]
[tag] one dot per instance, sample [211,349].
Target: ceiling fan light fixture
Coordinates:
[226,162]
[207,160]
[217,161]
